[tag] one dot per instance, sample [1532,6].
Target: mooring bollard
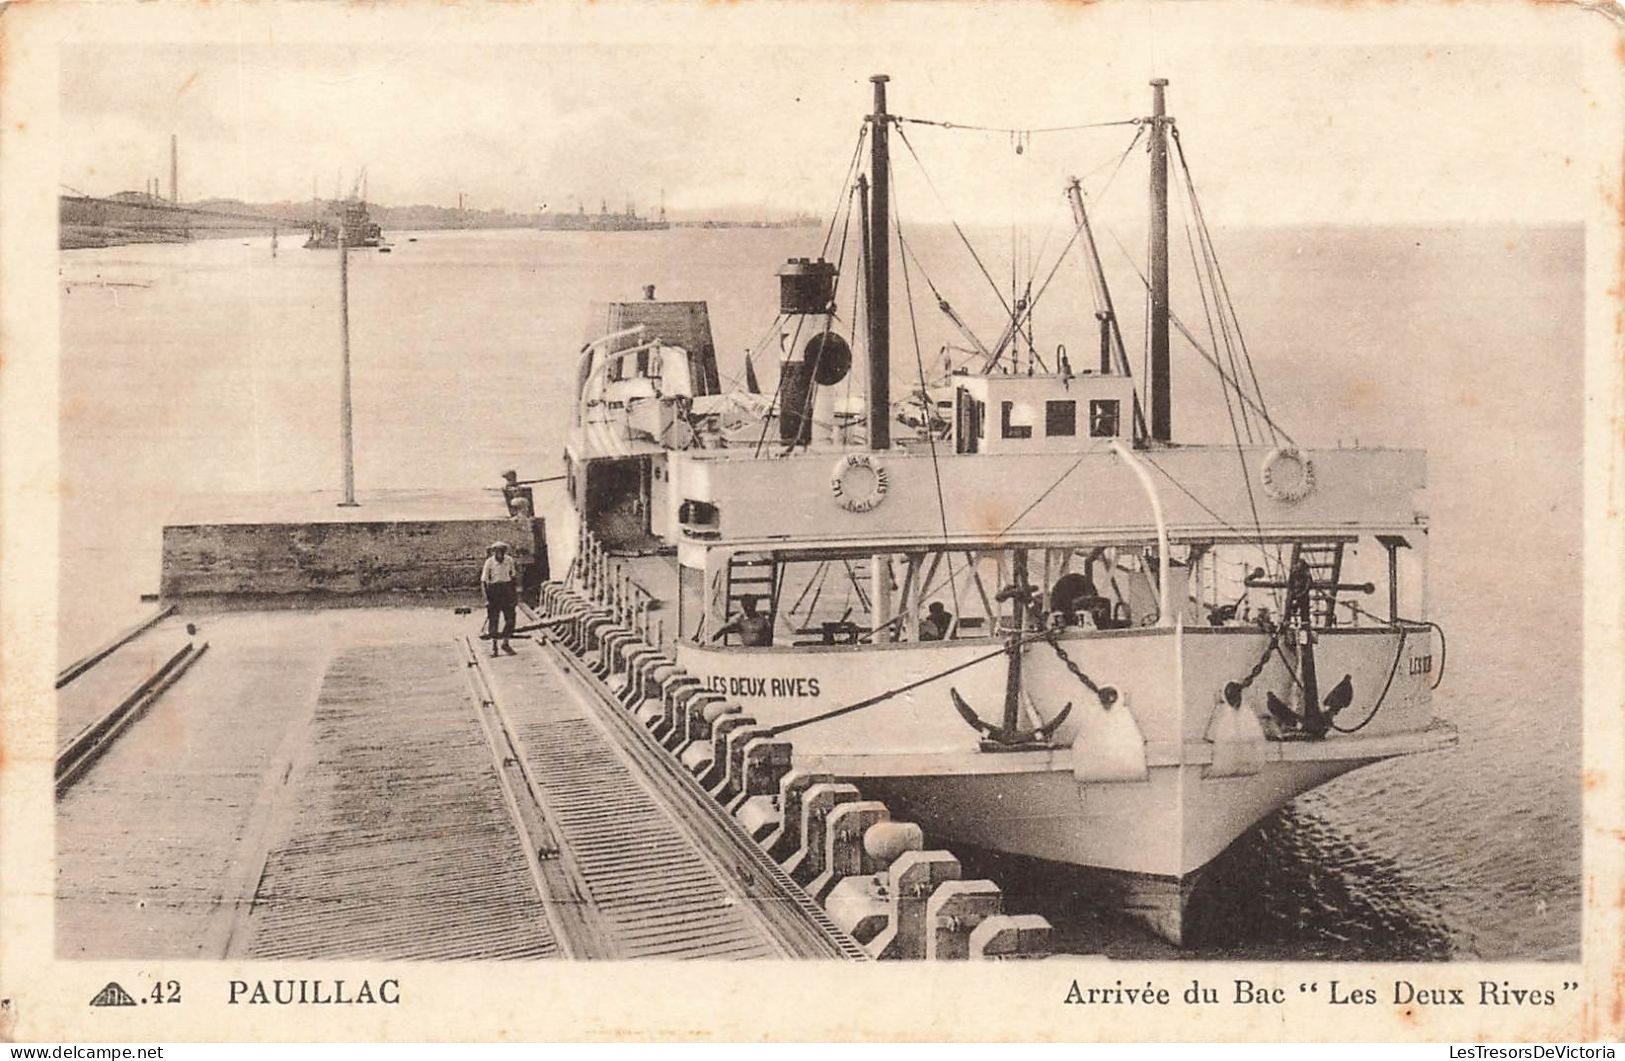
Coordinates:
[861,902]
[614,649]
[808,861]
[911,881]
[953,912]
[716,753]
[647,687]
[653,711]
[765,762]
[633,659]
[844,828]
[860,906]
[653,708]
[784,840]
[695,754]
[607,642]
[703,711]
[595,631]
[1011,936]
[669,730]
[733,761]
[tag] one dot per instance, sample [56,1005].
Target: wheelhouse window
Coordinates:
[1061,418]
[969,422]
[1105,418]
[1007,425]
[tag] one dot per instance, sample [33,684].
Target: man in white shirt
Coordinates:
[499,584]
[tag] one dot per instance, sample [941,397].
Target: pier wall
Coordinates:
[339,558]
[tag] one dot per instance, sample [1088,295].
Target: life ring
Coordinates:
[851,496]
[1288,475]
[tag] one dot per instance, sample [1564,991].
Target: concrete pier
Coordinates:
[303,546]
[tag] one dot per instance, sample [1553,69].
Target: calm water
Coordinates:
[213,367]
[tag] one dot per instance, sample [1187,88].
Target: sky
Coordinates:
[1295,117]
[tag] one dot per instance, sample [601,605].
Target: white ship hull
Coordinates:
[1152,789]
[1156,836]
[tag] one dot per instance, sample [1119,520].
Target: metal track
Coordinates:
[79,667]
[87,746]
[801,927]
[635,856]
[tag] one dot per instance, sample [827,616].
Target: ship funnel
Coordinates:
[806,286]
[807,301]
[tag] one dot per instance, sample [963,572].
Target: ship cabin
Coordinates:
[1030,480]
[1048,413]
[646,378]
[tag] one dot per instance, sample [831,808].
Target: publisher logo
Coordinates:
[112,995]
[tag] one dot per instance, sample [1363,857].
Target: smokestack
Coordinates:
[174,170]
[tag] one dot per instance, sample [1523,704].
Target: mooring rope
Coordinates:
[1393,670]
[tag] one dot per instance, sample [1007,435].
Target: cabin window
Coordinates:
[691,602]
[1061,418]
[1104,418]
[1007,426]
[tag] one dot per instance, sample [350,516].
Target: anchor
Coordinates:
[1009,736]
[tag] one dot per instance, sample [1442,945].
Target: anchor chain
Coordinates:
[1233,690]
[1107,694]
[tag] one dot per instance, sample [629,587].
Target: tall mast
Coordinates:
[1161,405]
[879,273]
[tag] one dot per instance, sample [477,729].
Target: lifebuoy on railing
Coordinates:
[1289,476]
[859,482]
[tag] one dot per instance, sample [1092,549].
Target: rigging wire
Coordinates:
[1221,338]
[1195,343]
[957,126]
[951,220]
[846,182]
[1179,149]
[930,406]
[1040,498]
[1241,456]
[1207,313]
[1226,524]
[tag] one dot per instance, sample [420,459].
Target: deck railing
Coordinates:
[608,582]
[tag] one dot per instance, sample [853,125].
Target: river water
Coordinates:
[212,367]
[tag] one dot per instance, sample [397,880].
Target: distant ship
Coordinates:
[352,221]
[602,221]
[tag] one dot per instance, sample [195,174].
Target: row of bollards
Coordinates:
[872,874]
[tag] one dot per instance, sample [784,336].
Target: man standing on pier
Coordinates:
[499,584]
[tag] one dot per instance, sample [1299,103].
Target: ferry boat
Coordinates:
[1012,605]
[353,224]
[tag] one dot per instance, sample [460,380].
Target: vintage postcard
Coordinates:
[1021,521]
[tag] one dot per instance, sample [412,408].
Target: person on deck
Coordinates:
[754,630]
[934,627]
[499,584]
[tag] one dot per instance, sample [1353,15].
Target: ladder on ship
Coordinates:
[1325,563]
[749,577]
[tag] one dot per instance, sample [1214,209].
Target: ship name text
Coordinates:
[777,688]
